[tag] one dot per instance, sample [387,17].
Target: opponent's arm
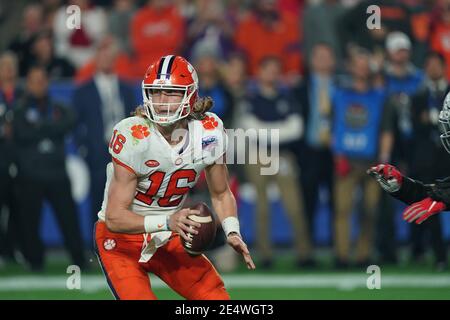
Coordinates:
[397,185]
[225,206]
[425,200]
[119,218]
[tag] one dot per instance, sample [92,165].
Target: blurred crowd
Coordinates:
[344,97]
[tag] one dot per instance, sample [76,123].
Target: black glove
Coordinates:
[440,191]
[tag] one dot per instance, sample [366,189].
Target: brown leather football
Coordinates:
[206,233]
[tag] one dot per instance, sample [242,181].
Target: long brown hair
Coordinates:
[201,106]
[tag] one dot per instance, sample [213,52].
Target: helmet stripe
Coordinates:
[166,66]
[169,67]
[161,61]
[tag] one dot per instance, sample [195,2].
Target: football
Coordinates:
[206,233]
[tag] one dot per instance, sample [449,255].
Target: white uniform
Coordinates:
[165,172]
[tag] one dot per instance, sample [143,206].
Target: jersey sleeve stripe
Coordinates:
[120,163]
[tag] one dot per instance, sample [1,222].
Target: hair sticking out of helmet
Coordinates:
[170,90]
[444,123]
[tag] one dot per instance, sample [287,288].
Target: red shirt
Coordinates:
[440,42]
[122,67]
[156,33]
[281,40]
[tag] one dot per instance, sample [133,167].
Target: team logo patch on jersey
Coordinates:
[151,163]
[109,244]
[139,131]
[208,142]
[210,123]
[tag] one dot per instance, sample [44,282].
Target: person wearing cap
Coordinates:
[402,79]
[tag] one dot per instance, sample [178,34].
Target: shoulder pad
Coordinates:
[129,140]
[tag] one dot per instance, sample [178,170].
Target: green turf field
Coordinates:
[284,281]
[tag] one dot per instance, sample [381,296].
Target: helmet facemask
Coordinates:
[444,123]
[167,113]
[444,128]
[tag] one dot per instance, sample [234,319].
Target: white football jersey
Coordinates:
[165,172]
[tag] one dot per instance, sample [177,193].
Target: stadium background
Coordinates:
[405,280]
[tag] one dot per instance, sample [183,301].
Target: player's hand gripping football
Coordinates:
[388,176]
[179,222]
[236,242]
[422,210]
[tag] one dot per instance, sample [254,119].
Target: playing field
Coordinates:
[283,282]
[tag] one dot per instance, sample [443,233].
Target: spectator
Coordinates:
[121,63]
[9,93]
[207,65]
[157,22]
[78,44]
[119,21]
[31,25]
[266,31]
[11,13]
[439,40]
[394,16]
[40,125]
[100,103]
[9,88]
[234,76]
[270,108]
[210,30]
[356,121]
[236,10]
[421,22]
[428,161]
[315,97]
[42,54]
[234,73]
[320,25]
[402,81]
[50,8]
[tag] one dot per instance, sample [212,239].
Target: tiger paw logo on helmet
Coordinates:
[109,244]
[210,123]
[140,132]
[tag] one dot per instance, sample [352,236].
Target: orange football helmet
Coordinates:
[171,73]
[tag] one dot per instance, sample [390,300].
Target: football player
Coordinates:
[425,200]
[157,156]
